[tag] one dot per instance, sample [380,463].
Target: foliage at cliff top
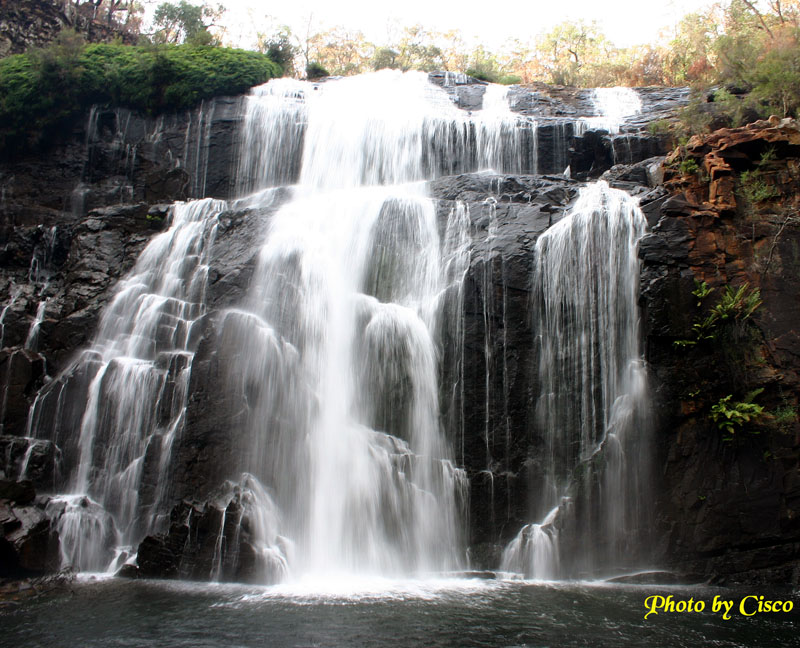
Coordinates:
[743,58]
[44,91]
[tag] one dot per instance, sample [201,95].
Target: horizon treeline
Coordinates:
[740,55]
[722,43]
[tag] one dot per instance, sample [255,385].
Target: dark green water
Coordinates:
[456,613]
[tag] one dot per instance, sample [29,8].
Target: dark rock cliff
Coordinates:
[74,220]
[728,508]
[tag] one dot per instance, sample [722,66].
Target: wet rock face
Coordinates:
[507,215]
[118,156]
[74,220]
[83,263]
[728,510]
[495,430]
[555,109]
[28,546]
[210,541]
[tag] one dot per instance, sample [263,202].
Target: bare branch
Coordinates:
[760,17]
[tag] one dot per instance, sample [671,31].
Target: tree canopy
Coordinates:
[185,22]
[744,53]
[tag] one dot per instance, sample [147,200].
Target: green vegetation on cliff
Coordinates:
[743,60]
[44,91]
[726,333]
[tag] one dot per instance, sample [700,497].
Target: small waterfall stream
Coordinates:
[591,409]
[121,403]
[347,450]
[612,105]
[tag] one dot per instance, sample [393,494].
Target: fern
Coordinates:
[732,415]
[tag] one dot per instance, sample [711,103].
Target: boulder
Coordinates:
[28,544]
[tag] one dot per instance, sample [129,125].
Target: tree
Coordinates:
[569,46]
[776,78]
[484,65]
[416,50]
[454,51]
[385,58]
[123,16]
[304,40]
[126,9]
[186,22]
[738,48]
[645,67]
[279,47]
[341,51]
[691,56]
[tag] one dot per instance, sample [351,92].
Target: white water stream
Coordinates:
[591,409]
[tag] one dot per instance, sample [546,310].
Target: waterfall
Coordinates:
[33,332]
[335,354]
[591,409]
[534,551]
[273,135]
[340,369]
[15,292]
[344,316]
[120,404]
[412,133]
[613,106]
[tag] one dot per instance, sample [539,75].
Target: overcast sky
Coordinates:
[626,22]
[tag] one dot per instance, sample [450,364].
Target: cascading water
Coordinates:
[120,404]
[33,333]
[12,300]
[591,411]
[345,313]
[335,352]
[613,106]
[344,454]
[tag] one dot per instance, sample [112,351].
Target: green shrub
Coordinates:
[737,303]
[776,79]
[315,70]
[752,183]
[755,189]
[483,74]
[695,117]
[688,166]
[279,48]
[659,127]
[785,415]
[701,291]
[43,92]
[510,79]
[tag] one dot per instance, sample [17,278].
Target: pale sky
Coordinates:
[625,22]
